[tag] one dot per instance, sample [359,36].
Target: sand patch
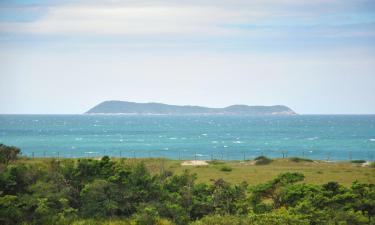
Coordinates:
[367,163]
[195,163]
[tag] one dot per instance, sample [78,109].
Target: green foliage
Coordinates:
[280,217]
[89,191]
[297,159]
[219,220]
[262,160]
[358,161]
[8,153]
[100,199]
[10,210]
[147,215]
[216,162]
[226,169]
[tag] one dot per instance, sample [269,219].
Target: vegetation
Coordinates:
[226,169]
[8,153]
[358,161]
[130,192]
[297,159]
[262,160]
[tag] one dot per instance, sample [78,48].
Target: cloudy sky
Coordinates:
[317,57]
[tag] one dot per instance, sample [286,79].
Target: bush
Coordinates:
[218,220]
[216,162]
[226,169]
[358,161]
[297,159]
[8,153]
[147,215]
[262,160]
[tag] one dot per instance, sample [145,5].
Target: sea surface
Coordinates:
[325,137]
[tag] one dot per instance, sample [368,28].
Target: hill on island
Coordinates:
[123,107]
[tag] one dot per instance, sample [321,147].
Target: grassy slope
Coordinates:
[317,172]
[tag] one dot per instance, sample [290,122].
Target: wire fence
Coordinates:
[190,155]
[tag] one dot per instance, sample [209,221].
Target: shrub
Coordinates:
[262,160]
[297,159]
[226,169]
[216,162]
[358,161]
[8,153]
[218,220]
[147,215]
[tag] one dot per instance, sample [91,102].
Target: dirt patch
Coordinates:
[195,163]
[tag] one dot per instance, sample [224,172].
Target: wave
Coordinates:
[312,138]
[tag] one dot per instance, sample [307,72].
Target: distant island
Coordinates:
[123,107]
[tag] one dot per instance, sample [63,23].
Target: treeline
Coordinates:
[89,191]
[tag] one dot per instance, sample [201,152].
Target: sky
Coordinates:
[64,57]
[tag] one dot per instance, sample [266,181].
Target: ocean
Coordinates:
[324,137]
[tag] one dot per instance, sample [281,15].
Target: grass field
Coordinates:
[316,172]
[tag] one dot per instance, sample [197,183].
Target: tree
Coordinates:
[99,199]
[8,153]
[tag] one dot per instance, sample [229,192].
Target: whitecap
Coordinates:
[90,152]
[121,140]
[172,138]
[372,139]
[204,134]
[214,142]
[199,155]
[225,146]
[312,138]
[78,139]
[238,142]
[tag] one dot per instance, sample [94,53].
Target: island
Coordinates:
[124,107]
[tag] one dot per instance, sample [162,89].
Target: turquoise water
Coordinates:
[328,137]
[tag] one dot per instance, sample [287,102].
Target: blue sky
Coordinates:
[66,56]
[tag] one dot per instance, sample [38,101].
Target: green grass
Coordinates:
[316,172]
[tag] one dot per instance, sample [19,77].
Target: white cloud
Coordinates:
[184,18]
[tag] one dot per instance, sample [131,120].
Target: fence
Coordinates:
[190,155]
